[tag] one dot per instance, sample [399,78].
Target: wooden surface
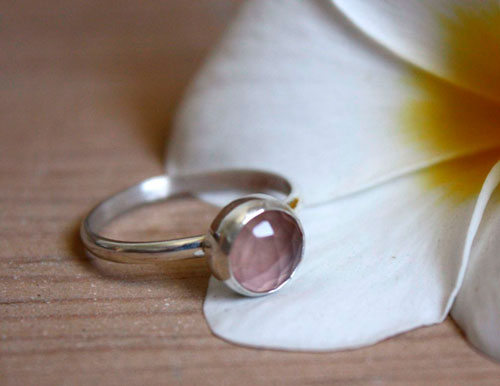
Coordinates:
[87,94]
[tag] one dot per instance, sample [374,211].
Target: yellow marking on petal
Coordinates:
[473,38]
[447,121]
[293,204]
[463,177]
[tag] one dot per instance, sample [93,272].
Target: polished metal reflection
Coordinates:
[224,229]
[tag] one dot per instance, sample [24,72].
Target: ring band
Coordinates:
[254,244]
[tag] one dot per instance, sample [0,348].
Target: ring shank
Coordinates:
[161,188]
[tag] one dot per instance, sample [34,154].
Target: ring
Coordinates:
[254,245]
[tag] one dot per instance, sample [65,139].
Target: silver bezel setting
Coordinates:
[226,227]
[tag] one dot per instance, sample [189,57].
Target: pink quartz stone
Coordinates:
[266,251]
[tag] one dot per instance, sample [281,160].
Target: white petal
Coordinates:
[377,264]
[458,40]
[477,307]
[296,89]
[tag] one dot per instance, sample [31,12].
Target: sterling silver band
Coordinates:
[161,188]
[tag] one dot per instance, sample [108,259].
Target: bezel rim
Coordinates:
[226,227]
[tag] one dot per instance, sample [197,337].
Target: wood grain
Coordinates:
[87,94]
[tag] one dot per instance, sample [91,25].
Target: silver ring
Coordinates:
[254,245]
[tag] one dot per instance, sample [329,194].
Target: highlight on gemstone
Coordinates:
[266,251]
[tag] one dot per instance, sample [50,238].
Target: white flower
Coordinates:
[387,115]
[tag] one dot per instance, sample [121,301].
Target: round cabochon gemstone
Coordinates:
[266,251]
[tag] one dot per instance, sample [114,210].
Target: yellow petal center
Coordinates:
[449,121]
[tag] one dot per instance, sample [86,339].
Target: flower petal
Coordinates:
[296,89]
[458,40]
[377,264]
[477,307]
